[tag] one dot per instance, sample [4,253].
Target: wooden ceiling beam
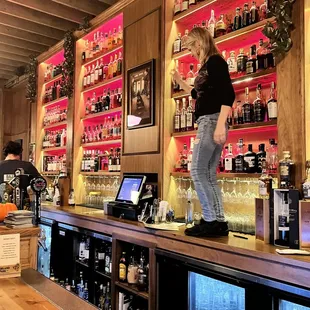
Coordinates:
[23,44]
[5,77]
[7,71]
[20,60]
[17,50]
[27,36]
[54,9]
[35,16]
[88,6]
[8,62]
[25,25]
[7,68]
[109,2]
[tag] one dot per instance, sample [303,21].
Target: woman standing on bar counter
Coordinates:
[214,96]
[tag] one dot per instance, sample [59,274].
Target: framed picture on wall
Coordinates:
[140,94]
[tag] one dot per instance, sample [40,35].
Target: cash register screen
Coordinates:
[130,189]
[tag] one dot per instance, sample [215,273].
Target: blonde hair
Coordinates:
[207,44]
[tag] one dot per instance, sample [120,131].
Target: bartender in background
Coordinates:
[12,152]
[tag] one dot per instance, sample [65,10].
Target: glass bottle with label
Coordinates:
[184,40]
[122,268]
[272,156]
[229,159]
[142,274]
[250,160]
[177,45]
[184,159]
[177,117]
[101,256]
[237,20]
[190,77]
[306,183]
[241,62]
[239,160]
[259,106]
[185,5]
[192,2]
[251,65]
[272,103]
[261,157]
[221,27]
[286,166]
[190,154]
[263,10]
[71,200]
[246,15]
[132,274]
[247,109]
[265,182]
[232,63]
[261,56]
[108,260]
[211,24]
[183,115]
[177,7]
[190,115]
[254,13]
[176,86]
[283,220]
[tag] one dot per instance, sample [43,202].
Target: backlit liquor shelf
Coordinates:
[57,77]
[223,175]
[101,143]
[101,84]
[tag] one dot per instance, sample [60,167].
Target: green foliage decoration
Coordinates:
[31,70]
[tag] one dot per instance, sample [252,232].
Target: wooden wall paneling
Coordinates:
[1,121]
[70,138]
[291,97]
[307,73]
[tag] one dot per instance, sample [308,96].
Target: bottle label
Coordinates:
[189,120]
[183,121]
[272,109]
[239,164]
[232,65]
[122,271]
[96,75]
[192,1]
[211,29]
[101,256]
[100,72]
[176,123]
[250,160]
[85,81]
[263,188]
[86,254]
[184,5]
[88,79]
[71,201]
[92,78]
[284,170]
[228,164]
[82,250]
[132,276]
[177,46]
[177,8]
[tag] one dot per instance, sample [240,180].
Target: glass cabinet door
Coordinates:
[206,293]
[287,305]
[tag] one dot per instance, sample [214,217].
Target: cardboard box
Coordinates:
[262,226]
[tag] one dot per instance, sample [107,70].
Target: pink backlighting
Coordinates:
[56,59]
[100,89]
[105,57]
[52,81]
[106,27]
[55,127]
[58,152]
[103,147]
[100,118]
[61,103]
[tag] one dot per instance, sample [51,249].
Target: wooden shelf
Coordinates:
[101,143]
[231,35]
[193,9]
[50,173]
[81,263]
[53,149]
[104,83]
[224,175]
[252,126]
[57,77]
[54,101]
[60,124]
[103,274]
[98,173]
[96,115]
[103,55]
[132,289]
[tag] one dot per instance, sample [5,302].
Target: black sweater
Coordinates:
[213,87]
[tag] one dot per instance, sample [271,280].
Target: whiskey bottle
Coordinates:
[185,5]
[190,77]
[142,274]
[250,160]
[261,157]
[177,45]
[237,20]
[229,160]
[254,13]
[286,166]
[211,24]
[246,15]
[283,220]
[261,56]
[71,200]
[177,117]
[221,27]
[306,183]
[177,7]
[184,159]
[259,106]
[251,65]
[190,154]
[272,103]
[241,62]
[184,40]
[132,273]
[183,115]
[122,268]
[264,182]
[176,86]
[232,63]
[239,160]
[247,109]
[190,115]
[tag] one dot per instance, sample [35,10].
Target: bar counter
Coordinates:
[249,255]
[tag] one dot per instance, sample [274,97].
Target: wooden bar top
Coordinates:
[249,255]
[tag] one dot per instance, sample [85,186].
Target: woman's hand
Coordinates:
[176,76]
[220,134]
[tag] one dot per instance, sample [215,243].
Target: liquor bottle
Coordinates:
[224,55]
[261,56]
[114,74]
[246,15]
[261,157]
[132,274]
[190,77]
[272,103]
[251,65]
[184,159]
[176,86]
[239,160]
[110,68]
[52,276]
[306,183]
[264,182]
[286,166]
[142,274]
[254,13]
[71,199]
[177,45]
[177,7]
[73,288]
[237,20]
[190,154]
[235,112]
[232,63]
[89,77]
[250,160]
[119,64]
[86,294]
[263,10]
[181,71]
[107,300]
[259,106]
[108,260]
[192,2]
[190,115]
[241,62]
[122,268]
[247,109]
[229,159]
[185,5]
[96,77]
[101,256]
[211,24]
[183,115]
[92,76]
[177,117]
[82,247]
[270,59]
[221,27]
[230,118]
[283,221]
[120,36]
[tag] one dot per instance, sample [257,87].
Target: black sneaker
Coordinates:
[208,229]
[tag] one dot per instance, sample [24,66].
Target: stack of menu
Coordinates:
[19,219]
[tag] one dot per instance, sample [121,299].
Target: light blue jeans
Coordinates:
[206,156]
